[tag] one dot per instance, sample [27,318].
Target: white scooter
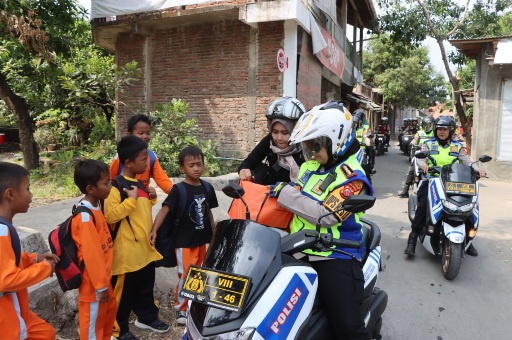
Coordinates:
[453,214]
[251,287]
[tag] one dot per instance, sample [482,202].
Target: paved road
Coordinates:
[422,304]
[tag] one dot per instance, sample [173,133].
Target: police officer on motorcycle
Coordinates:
[442,150]
[426,132]
[362,129]
[331,174]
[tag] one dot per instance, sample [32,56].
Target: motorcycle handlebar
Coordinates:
[347,243]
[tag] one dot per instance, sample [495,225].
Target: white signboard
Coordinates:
[112,8]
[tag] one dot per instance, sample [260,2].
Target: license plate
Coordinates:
[215,288]
[460,188]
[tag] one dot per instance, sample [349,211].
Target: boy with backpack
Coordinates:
[19,270]
[95,248]
[133,269]
[140,126]
[191,229]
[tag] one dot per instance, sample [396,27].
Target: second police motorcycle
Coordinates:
[452,214]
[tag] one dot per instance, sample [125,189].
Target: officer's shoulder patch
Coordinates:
[347,171]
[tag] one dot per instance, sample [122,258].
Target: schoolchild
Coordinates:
[195,227]
[19,270]
[331,174]
[133,269]
[95,248]
[140,126]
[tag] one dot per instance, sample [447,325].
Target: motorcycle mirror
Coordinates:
[485,158]
[353,204]
[233,190]
[421,154]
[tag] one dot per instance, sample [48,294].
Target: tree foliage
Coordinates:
[411,21]
[403,73]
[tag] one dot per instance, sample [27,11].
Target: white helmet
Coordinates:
[325,124]
[285,107]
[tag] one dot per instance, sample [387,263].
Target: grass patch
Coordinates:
[53,182]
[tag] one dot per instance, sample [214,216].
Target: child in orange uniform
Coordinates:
[140,126]
[95,247]
[19,270]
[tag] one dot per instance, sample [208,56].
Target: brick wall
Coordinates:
[309,78]
[225,70]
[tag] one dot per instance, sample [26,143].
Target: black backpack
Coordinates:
[68,270]
[164,240]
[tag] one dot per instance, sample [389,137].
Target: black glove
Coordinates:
[275,190]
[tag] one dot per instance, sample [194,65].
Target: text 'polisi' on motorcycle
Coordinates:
[452,214]
[251,287]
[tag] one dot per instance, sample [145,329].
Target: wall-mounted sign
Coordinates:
[332,55]
[282,60]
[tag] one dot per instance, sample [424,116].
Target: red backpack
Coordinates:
[67,270]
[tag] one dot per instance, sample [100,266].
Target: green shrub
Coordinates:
[173,132]
[101,130]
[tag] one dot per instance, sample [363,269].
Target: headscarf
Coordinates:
[285,156]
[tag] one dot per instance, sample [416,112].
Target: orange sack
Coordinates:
[263,209]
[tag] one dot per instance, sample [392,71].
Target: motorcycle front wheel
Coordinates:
[451,259]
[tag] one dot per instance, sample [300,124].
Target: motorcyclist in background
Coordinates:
[330,174]
[442,150]
[362,132]
[406,122]
[424,133]
[383,128]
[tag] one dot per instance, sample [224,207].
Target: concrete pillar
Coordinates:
[290,49]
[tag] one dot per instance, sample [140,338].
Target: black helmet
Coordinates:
[446,122]
[358,117]
[428,124]
[285,107]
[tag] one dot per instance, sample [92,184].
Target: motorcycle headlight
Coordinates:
[453,207]
[240,334]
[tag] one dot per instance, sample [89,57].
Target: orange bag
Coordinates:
[263,209]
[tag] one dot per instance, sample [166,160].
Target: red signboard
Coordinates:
[332,55]
[282,60]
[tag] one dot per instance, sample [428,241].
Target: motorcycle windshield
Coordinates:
[241,247]
[458,173]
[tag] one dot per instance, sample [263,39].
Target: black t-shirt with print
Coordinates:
[195,227]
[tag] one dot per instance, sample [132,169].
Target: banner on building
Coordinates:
[332,55]
[113,8]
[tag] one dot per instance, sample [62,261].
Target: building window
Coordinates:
[505,137]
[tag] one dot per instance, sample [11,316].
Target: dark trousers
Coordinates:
[137,295]
[341,288]
[370,151]
[420,217]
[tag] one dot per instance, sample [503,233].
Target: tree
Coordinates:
[412,21]
[30,29]
[403,73]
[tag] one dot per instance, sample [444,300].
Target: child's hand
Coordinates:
[47,256]
[133,192]
[152,237]
[103,296]
[151,192]
[52,265]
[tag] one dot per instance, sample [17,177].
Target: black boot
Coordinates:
[411,243]
[471,251]
[405,191]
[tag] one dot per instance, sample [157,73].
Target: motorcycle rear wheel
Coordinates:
[451,259]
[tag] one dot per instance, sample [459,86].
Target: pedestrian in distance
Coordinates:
[19,270]
[273,160]
[139,125]
[95,248]
[133,269]
[194,229]
[331,174]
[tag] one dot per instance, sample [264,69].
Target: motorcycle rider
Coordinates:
[362,129]
[405,126]
[424,133]
[273,160]
[383,128]
[331,174]
[442,150]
